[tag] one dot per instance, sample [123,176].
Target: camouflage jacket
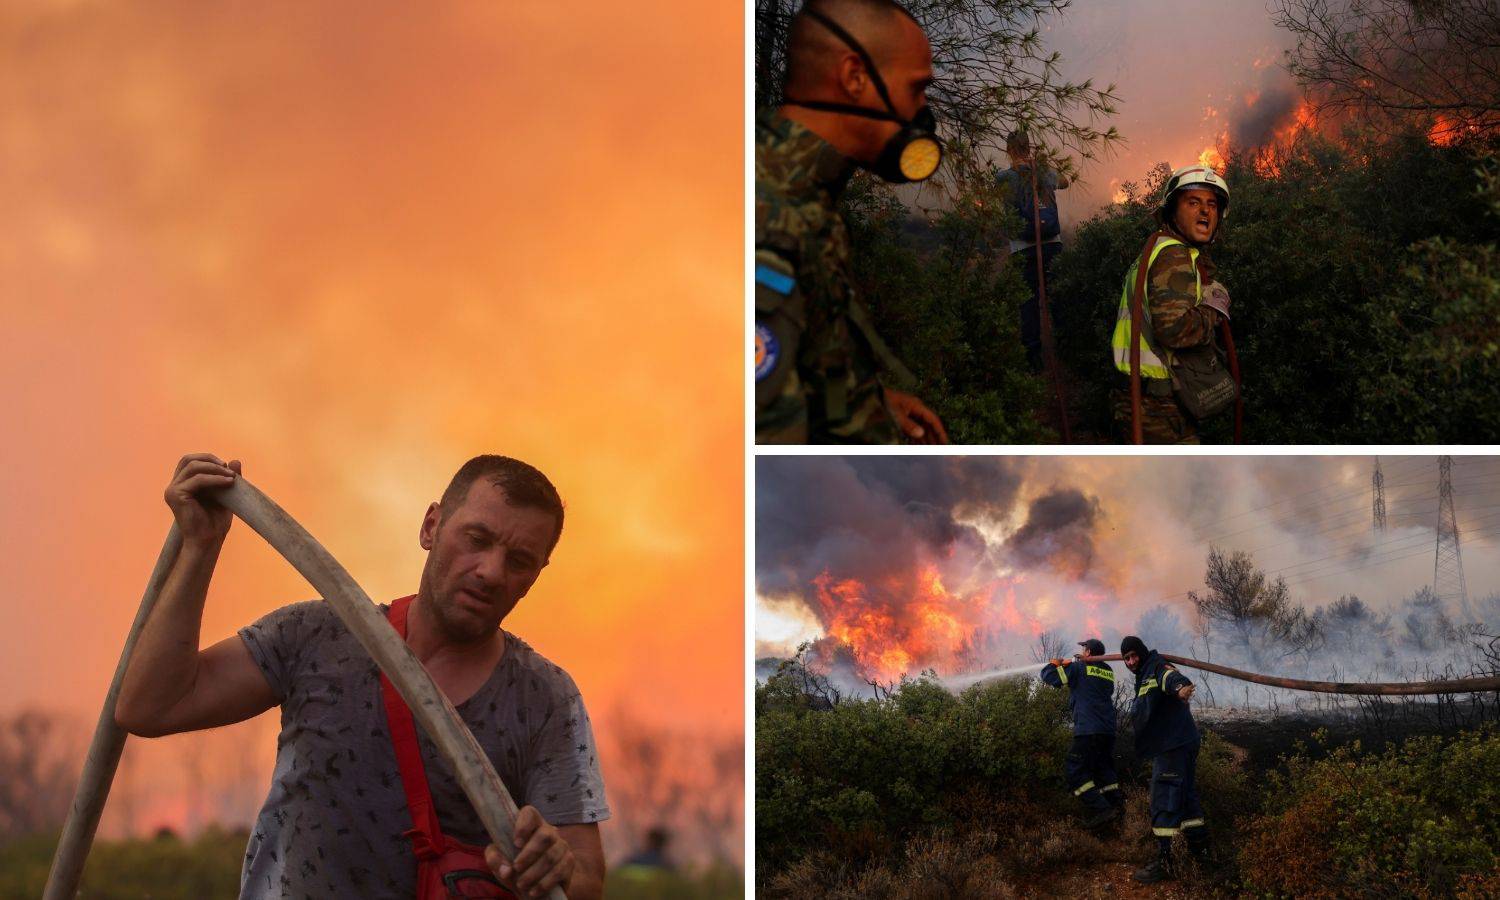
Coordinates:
[817,357]
[1177,319]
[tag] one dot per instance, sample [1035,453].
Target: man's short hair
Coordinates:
[1017,142]
[524,485]
[808,40]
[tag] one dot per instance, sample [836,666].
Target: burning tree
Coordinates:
[1400,60]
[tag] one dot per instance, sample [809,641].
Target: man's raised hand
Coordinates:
[199,518]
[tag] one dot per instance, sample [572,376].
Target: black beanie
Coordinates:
[1133,644]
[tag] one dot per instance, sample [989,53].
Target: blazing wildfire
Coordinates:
[910,610]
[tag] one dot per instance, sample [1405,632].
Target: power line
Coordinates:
[1204,525]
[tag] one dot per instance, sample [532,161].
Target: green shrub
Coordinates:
[1365,284]
[950,310]
[162,868]
[209,867]
[1419,820]
[866,776]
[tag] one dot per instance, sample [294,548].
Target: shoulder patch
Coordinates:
[780,282]
[767,351]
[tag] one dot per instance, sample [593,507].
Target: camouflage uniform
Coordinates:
[1178,321]
[817,357]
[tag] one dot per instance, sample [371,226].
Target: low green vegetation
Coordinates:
[208,866]
[1365,287]
[921,793]
[1364,275]
[1418,820]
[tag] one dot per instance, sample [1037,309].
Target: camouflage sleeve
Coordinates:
[1177,320]
[780,318]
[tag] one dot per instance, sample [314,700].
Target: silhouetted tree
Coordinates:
[1258,614]
[1434,61]
[39,756]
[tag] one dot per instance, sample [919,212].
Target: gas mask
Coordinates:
[914,152]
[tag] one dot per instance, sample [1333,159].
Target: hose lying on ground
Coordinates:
[429,706]
[1387,688]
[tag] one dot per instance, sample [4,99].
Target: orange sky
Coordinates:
[354,245]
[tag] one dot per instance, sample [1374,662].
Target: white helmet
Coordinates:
[1199,176]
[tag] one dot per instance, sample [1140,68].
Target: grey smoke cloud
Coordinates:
[1108,546]
[868,515]
[1059,533]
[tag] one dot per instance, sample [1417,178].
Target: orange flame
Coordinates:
[910,625]
[1269,158]
[1445,131]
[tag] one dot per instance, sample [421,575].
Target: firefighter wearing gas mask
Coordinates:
[855,97]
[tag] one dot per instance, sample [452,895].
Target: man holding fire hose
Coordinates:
[855,96]
[1183,371]
[1033,190]
[1091,758]
[1165,733]
[355,808]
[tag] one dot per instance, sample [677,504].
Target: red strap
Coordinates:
[426,836]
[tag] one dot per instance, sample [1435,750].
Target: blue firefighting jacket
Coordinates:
[1162,721]
[1091,694]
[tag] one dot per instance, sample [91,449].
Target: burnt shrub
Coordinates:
[1418,820]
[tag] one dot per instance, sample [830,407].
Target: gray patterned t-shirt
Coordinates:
[332,824]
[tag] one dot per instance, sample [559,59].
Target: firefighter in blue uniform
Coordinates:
[1091,764]
[1165,733]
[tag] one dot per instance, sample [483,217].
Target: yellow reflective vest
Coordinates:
[1152,365]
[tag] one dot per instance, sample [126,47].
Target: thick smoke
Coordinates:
[869,516]
[1059,533]
[1264,111]
[1024,549]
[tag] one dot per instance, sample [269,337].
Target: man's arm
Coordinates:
[1147,693]
[781,413]
[1176,683]
[1052,673]
[547,856]
[170,685]
[588,878]
[1177,319]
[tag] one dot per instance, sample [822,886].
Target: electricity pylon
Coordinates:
[1448,565]
[1377,486]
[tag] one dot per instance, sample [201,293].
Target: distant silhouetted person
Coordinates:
[1034,202]
[651,861]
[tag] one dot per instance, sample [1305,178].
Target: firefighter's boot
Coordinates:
[1161,868]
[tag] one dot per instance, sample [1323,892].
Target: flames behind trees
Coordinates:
[915,564]
[1395,61]
[971,564]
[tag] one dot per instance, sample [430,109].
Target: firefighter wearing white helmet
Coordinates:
[1182,307]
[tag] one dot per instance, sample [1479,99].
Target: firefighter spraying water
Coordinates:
[1165,733]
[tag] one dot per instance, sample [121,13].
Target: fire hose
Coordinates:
[480,783]
[1044,314]
[1386,688]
